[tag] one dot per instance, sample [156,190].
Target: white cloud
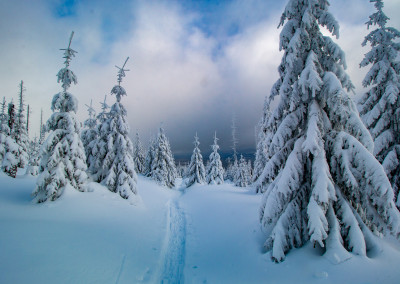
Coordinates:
[181,77]
[188,78]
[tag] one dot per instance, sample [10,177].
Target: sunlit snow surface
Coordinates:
[203,234]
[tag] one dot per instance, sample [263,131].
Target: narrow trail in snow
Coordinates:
[173,262]
[121,268]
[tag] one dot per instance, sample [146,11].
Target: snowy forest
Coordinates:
[320,197]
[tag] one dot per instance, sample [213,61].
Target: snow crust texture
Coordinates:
[209,234]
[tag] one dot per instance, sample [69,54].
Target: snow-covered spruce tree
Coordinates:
[232,169]
[149,157]
[322,183]
[380,106]
[11,157]
[249,171]
[28,112]
[242,175]
[62,157]
[196,172]
[89,134]
[138,155]
[215,171]
[98,148]
[118,168]
[263,141]
[11,148]
[163,169]
[20,133]
[34,150]
[42,130]
[11,116]
[33,155]
[227,173]
[181,169]
[4,129]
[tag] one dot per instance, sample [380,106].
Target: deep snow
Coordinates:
[203,234]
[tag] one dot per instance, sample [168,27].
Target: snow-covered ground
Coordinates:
[205,234]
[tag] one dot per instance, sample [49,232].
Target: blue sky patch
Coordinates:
[65,8]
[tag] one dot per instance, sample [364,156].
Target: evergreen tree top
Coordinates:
[300,36]
[102,116]
[22,89]
[196,141]
[378,18]
[65,75]
[69,52]
[91,111]
[215,146]
[42,128]
[3,117]
[91,121]
[3,107]
[117,89]
[308,11]
[121,71]
[104,105]
[11,107]
[383,55]
[161,131]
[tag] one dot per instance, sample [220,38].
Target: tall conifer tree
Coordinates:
[149,156]
[42,131]
[33,154]
[196,172]
[11,148]
[89,134]
[138,155]
[321,181]
[63,160]
[263,140]
[20,133]
[243,174]
[215,171]
[98,148]
[117,170]
[163,169]
[380,106]
[4,130]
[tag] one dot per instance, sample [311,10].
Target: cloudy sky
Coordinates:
[193,64]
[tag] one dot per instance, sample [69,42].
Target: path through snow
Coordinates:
[173,261]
